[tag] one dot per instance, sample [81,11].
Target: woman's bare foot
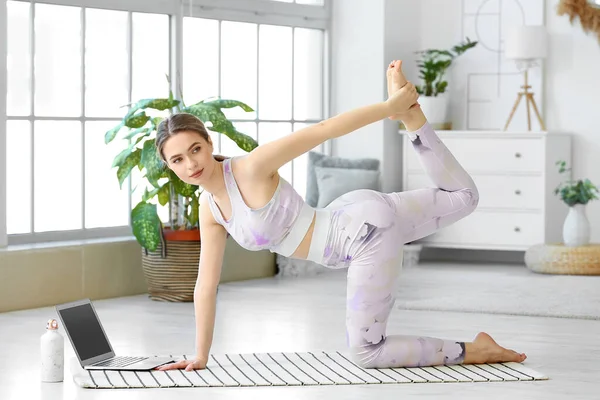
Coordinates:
[395,77]
[484,349]
[395,81]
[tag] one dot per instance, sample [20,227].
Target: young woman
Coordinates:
[362,230]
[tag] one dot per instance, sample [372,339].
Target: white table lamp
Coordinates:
[526,44]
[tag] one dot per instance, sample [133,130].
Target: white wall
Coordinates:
[573,97]
[401,20]
[357,70]
[367,34]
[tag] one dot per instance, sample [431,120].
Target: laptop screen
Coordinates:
[85,331]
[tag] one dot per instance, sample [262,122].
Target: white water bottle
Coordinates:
[52,347]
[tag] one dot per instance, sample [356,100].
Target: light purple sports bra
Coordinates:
[279,226]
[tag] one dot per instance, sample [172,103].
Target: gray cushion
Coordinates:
[334,182]
[316,159]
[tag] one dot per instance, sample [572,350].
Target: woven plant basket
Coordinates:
[172,269]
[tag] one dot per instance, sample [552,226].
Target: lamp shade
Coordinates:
[526,42]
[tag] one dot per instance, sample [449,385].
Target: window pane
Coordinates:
[200,59]
[18,59]
[150,56]
[18,178]
[310,2]
[238,68]
[229,148]
[301,166]
[275,69]
[57,175]
[106,87]
[308,74]
[57,60]
[269,131]
[105,203]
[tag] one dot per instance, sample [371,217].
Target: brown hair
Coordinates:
[178,123]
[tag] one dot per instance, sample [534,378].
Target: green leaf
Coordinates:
[149,194]
[160,104]
[225,103]
[137,120]
[164,193]
[110,135]
[130,161]
[182,188]
[146,225]
[464,46]
[440,87]
[243,141]
[120,158]
[141,138]
[194,210]
[208,113]
[155,121]
[151,161]
[134,132]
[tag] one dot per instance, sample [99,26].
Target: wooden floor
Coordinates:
[302,315]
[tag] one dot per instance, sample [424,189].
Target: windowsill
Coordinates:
[65,243]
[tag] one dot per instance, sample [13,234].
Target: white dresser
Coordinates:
[516,174]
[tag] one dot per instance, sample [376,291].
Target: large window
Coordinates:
[277,70]
[69,77]
[72,70]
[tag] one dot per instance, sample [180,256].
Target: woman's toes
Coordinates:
[514,356]
[400,79]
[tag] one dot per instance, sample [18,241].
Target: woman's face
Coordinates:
[190,156]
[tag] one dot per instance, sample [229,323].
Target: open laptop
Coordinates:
[91,344]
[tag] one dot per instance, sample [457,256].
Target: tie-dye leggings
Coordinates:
[365,231]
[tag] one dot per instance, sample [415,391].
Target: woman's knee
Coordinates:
[472,198]
[364,356]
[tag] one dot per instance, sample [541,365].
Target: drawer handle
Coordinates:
[517,229]
[517,192]
[517,155]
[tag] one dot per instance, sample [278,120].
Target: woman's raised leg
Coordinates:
[374,257]
[455,196]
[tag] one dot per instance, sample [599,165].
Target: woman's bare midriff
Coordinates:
[304,246]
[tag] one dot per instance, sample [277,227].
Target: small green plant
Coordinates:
[433,66]
[575,192]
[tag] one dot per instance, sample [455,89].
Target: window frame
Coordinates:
[3,84]
[253,11]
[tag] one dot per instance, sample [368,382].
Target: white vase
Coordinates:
[435,108]
[576,229]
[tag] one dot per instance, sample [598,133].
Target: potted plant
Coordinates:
[171,252]
[576,195]
[433,64]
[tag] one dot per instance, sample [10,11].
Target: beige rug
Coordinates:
[297,369]
[496,289]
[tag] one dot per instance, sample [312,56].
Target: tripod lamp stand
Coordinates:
[525,45]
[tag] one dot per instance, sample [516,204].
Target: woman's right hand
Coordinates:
[403,100]
[188,365]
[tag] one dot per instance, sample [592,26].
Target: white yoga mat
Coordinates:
[297,369]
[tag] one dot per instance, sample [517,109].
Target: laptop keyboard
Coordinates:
[119,361]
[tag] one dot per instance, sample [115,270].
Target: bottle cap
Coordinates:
[52,324]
